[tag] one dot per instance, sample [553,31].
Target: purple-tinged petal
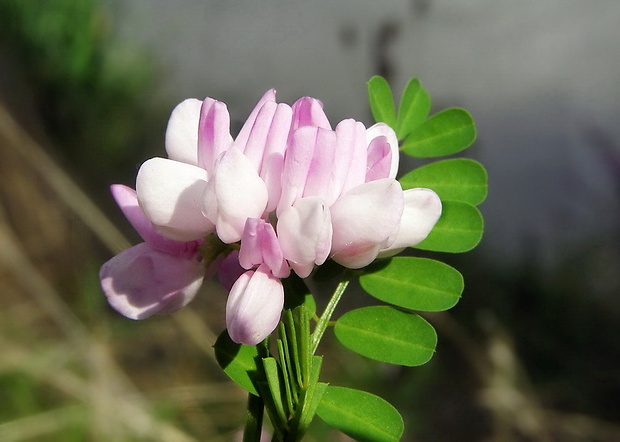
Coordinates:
[305,234]
[323,173]
[364,220]
[379,159]
[127,200]
[142,281]
[296,165]
[182,132]
[273,156]
[244,133]
[254,147]
[254,306]
[259,245]
[421,213]
[351,136]
[213,133]
[383,130]
[308,111]
[170,194]
[230,270]
[234,194]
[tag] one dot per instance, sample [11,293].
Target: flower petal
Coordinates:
[324,177]
[421,213]
[364,220]
[296,165]
[244,133]
[351,136]
[273,156]
[182,132]
[213,133]
[259,245]
[308,111]
[379,159]
[234,194]
[127,200]
[305,234]
[142,281]
[254,306]
[170,194]
[383,130]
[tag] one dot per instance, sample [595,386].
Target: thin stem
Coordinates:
[323,322]
[254,419]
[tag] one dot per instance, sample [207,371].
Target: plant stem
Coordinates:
[323,322]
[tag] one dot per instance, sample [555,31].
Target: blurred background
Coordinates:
[530,353]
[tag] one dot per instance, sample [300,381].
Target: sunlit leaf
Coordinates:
[458,230]
[415,105]
[447,132]
[238,361]
[387,334]
[360,415]
[415,283]
[381,101]
[457,179]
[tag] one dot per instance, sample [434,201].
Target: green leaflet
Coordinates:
[387,334]
[361,415]
[445,133]
[458,230]
[414,107]
[381,101]
[415,283]
[238,361]
[456,179]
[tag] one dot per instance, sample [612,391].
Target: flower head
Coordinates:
[288,192]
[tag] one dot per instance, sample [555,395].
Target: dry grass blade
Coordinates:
[67,190]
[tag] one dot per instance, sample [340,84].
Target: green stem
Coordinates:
[254,419]
[323,322]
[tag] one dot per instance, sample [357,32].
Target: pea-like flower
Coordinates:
[288,192]
[155,277]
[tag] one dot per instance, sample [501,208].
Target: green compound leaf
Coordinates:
[414,107]
[381,101]
[457,179]
[416,284]
[458,230]
[360,415]
[238,361]
[387,334]
[447,132]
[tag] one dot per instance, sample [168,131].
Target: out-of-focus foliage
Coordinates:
[91,91]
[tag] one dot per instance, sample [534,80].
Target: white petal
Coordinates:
[422,211]
[234,194]
[364,220]
[170,193]
[305,234]
[182,132]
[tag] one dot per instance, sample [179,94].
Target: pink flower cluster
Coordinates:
[288,192]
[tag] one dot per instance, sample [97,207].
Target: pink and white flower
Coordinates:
[289,190]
